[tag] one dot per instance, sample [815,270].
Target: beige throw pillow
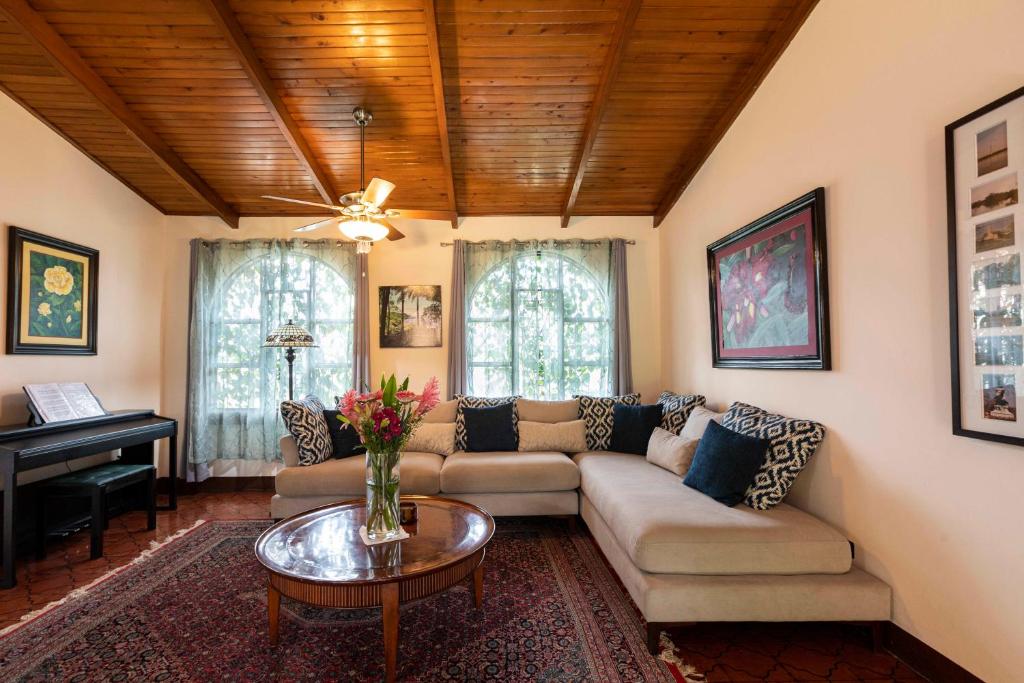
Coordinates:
[444,412]
[698,422]
[564,437]
[671,452]
[548,411]
[433,438]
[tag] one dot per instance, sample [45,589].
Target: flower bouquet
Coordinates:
[385,420]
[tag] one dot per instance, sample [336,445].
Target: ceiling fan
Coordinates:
[361,216]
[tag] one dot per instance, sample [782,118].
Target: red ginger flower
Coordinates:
[430,398]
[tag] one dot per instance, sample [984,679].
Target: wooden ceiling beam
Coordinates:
[692,161]
[240,44]
[437,81]
[610,69]
[66,60]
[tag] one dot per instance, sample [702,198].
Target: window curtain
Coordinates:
[518,289]
[457,323]
[240,290]
[622,352]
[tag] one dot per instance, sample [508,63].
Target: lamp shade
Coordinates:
[289,336]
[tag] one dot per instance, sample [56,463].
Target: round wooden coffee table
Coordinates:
[318,558]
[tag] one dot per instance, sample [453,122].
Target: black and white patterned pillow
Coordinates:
[676,409]
[306,423]
[596,412]
[480,402]
[793,442]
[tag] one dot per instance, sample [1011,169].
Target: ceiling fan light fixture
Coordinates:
[363,229]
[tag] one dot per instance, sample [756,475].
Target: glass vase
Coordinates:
[383,521]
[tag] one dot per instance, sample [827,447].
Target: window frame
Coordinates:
[257,363]
[516,291]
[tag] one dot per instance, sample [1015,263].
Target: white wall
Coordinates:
[858,104]
[48,186]
[416,260]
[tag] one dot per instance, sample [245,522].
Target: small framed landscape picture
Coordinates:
[984,167]
[51,295]
[410,316]
[768,284]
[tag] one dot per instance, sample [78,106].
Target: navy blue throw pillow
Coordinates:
[632,427]
[725,463]
[344,440]
[490,428]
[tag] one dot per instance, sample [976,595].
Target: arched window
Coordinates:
[261,294]
[538,325]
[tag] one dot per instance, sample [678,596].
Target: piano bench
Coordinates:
[95,483]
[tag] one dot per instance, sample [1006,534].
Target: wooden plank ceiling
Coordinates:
[481,107]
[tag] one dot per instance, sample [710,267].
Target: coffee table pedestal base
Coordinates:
[387,596]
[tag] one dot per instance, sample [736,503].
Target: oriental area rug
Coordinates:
[194,609]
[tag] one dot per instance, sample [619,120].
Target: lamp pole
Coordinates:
[289,355]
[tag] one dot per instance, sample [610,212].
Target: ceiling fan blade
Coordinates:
[302,201]
[425,215]
[315,226]
[394,233]
[376,193]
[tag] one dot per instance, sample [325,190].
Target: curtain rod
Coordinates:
[448,244]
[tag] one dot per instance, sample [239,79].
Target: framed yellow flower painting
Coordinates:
[51,295]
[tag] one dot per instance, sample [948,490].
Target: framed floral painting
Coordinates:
[51,295]
[768,285]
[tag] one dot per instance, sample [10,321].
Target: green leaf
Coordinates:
[390,389]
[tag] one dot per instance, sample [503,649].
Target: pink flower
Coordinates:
[430,398]
[406,396]
[347,405]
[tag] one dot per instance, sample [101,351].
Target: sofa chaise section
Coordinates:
[667,527]
[685,558]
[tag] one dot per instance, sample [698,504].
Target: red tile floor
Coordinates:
[724,652]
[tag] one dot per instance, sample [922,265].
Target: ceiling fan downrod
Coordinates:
[362,117]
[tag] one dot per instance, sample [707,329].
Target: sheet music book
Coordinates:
[65,401]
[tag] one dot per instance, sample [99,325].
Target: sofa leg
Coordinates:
[654,637]
[878,636]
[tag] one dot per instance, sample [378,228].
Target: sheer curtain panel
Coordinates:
[239,291]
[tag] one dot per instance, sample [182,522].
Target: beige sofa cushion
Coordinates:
[347,476]
[666,527]
[508,472]
[548,411]
[671,452]
[433,438]
[564,437]
[289,451]
[445,411]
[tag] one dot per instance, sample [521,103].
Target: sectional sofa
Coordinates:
[683,557]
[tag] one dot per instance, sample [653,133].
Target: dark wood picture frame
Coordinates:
[956,381]
[16,342]
[816,354]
